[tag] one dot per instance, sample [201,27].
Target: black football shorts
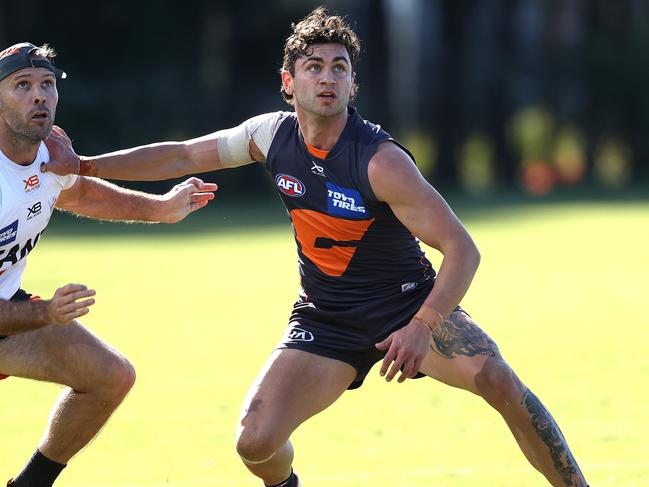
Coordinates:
[349,333]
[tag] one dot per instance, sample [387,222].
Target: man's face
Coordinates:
[323,80]
[28,101]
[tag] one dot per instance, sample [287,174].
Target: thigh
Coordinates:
[70,355]
[293,386]
[458,352]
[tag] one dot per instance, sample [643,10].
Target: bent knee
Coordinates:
[113,378]
[497,383]
[121,377]
[256,447]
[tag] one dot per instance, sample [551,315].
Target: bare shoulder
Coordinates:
[392,172]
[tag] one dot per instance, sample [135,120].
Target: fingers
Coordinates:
[199,200]
[385,344]
[70,302]
[200,184]
[399,358]
[63,159]
[389,357]
[409,370]
[59,133]
[407,366]
[75,309]
[70,288]
[394,369]
[201,197]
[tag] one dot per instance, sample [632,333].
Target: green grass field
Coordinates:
[562,288]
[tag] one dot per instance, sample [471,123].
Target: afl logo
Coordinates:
[289,185]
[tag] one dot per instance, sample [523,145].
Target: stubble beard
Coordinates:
[21,133]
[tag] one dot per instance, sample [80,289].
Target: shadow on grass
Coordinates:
[218,216]
[225,215]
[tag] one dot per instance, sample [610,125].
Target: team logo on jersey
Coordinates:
[32,183]
[35,210]
[290,185]
[8,233]
[296,334]
[345,202]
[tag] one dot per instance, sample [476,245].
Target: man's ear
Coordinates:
[287,82]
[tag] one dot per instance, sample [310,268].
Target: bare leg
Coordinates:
[98,379]
[463,356]
[293,386]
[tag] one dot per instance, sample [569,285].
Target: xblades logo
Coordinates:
[32,183]
[318,170]
[34,210]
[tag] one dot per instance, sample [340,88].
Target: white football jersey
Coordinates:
[27,199]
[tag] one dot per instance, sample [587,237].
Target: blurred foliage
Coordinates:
[498,84]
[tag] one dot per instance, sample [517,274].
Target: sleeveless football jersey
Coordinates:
[351,247]
[27,199]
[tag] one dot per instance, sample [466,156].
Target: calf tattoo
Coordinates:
[459,335]
[551,435]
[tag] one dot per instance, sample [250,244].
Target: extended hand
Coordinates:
[407,348]
[63,159]
[65,305]
[185,198]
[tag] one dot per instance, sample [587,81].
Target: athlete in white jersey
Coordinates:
[27,199]
[40,339]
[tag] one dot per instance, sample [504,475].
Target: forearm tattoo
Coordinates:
[459,335]
[551,435]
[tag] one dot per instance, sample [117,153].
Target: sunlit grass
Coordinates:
[561,289]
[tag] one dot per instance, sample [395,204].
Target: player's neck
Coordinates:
[321,132]
[18,149]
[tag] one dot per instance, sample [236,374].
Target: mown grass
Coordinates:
[561,288]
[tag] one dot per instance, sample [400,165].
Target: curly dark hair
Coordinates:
[319,27]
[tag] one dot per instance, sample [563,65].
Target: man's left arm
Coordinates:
[396,180]
[99,199]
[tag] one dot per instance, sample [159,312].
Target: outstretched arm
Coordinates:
[164,160]
[68,303]
[96,198]
[396,180]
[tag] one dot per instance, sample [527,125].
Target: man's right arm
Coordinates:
[68,303]
[165,160]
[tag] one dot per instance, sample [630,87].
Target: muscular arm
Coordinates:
[22,316]
[396,180]
[96,198]
[69,302]
[154,162]
[164,160]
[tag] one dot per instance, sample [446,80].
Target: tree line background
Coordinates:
[490,95]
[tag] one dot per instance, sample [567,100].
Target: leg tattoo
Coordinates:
[458,335]
[548,430]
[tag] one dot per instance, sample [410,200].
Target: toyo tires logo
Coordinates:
[290,185]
